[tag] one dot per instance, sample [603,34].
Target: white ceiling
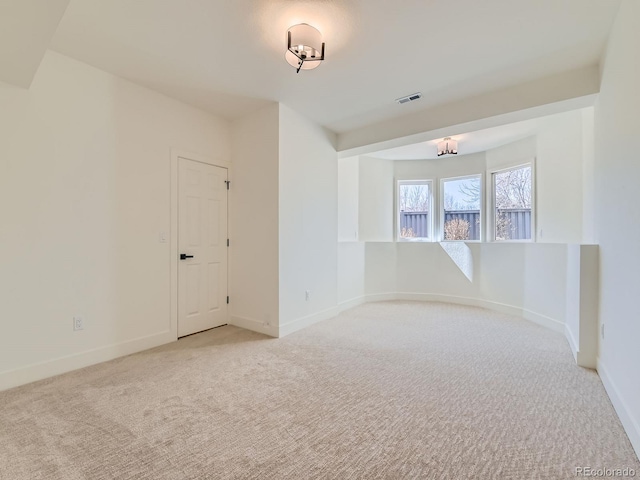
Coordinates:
[227,56]
[472,142]
[26,28]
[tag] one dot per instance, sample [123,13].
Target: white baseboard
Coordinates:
[39,371]
[629,423]
[354,302]
[68,363]
[543,320]
[420,297]
[381,297]
[534,317]
[304,322]
[586,361]
[582,359]
[573,345]
[254,325]
[298,324]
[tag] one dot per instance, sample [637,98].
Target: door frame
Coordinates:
[176,154]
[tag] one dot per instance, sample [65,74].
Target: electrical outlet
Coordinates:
[78,323]
[267,320]
[307,295]
[162,237]
[602,331]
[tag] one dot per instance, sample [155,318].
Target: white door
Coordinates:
[202,246]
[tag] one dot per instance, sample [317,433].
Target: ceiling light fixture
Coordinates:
[448,146]
[305,48]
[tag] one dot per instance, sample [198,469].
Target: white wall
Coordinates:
[426,268]
[617,220]
[375,209]
[581,319]
[525,279]
[351,266]
[308,221]
[533,280]
[351,253]
[284,221]
[442,167]
[559,171]
[348,201]
[84,193]
[560,149]
[253,221]
[545,96]
[380,267]
[513,153]
[588,176]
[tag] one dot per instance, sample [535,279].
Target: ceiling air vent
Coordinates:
[409,98]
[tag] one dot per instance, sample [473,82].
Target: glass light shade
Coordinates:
[303,34]
[448,146]
[304,41]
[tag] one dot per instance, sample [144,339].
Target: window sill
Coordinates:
[494,242]
[414,240]
[461,241]
[511,241]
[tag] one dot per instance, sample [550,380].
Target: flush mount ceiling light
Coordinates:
[305,48]
[448,146]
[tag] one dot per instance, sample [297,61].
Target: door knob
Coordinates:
[184,256]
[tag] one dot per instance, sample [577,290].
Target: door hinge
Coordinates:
[227,298]
[227,242]
[228,182]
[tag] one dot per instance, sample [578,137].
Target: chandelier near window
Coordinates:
[448,146]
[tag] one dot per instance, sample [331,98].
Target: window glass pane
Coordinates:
[415,210]
[512,197]
[462,208]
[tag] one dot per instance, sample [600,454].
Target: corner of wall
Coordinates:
[68,363]
[254,207]
[616,169]
[307,222]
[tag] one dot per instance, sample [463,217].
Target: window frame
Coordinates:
[482,206]
[431,224]
[491,201]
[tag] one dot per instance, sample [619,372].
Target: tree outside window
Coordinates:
[414,198]
[461,209]
[512,201]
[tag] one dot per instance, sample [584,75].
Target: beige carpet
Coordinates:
[387,390]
